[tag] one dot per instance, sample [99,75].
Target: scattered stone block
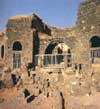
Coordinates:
[26,93]
[30,98]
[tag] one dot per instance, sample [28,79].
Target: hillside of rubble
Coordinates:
[46,89]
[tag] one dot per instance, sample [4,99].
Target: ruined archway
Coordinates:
[51,47]
[59,45]
[95,49]
[57,52]
[17,48]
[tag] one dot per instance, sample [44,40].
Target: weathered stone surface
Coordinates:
[79,88]
[36,37]
[96,81]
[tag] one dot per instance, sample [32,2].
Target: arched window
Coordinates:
[17,48]
[2,51]
[95,41]
[95,49]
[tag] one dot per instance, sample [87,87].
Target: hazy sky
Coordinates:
[61,13]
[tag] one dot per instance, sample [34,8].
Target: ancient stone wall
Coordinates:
[18,29]
[27,28]
[88,25]
[3,45]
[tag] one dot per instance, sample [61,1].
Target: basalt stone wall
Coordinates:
[25,29]
[19,29]
[39,25]
[71,38]
[88,25]
[89,16]
[58,36]
[3,45]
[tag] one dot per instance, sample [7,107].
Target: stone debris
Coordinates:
[41,90]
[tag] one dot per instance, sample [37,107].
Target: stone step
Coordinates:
[69,71]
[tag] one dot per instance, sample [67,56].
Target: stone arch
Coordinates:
[17,48]
[2,51]
[50,47]
[60,44]
[62,56]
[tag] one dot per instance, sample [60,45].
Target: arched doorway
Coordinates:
[17,48]
[95,49]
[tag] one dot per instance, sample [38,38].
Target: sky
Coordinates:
[60,13]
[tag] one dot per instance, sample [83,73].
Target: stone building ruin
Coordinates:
[43,66]
[27,40]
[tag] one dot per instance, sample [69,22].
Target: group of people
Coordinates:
[77,68]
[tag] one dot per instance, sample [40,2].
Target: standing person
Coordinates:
[80,67]
[75,67]
[76,70]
